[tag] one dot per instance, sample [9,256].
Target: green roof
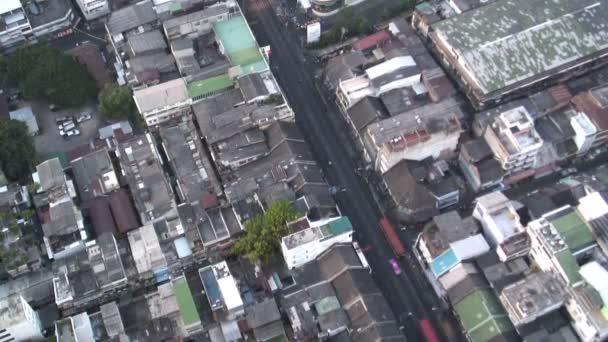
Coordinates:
[507,42]
[176,6]
[239,44]
[327,304]
[569,265]
[185,302]
[280,338]
[573,229]
[209,85]
[340,225]
[482,316]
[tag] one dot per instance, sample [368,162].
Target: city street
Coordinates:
[410,295]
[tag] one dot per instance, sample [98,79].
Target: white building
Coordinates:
[590,321]
[514,141]
[197,23]
[163,101]
[305,245]
[501,226]
[18,321]
[398,72]
[222,291]
[16,24]
[93,9]
[585,132]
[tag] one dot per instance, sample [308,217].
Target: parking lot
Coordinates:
[49,142]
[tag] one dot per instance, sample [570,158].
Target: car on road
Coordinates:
[84,116]
[395,266]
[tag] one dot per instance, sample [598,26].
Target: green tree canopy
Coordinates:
[17,152]
[46,74]
[263,235]
[116,102]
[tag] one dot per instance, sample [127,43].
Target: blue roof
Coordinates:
[182,248]
[445,262]
[212,288]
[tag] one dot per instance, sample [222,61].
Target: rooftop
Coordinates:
[209,86]
[11,310]
[161,96]
[26,116]
[482,316]
[570,225]
[9,5]
[147,41]
[208,12]
[131,17]
[94,174]
[185,302]
[511,41]
[239,44]
[320,230]
[536,295]
[146,249]
[151,191]
[220,286]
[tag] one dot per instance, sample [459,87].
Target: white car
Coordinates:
[73,132]
[69,126]
[84,116]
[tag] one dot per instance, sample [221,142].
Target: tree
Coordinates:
[264,232]
[17,152]
[116,102]
[46,74]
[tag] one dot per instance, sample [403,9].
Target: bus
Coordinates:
[392,237]
[427,330]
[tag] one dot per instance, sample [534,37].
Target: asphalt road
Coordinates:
[409,295]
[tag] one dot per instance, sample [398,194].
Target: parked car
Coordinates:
[60,120]
[395,266]
[69,126]
[73,132]
[84,116]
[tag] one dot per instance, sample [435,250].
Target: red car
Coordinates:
[395,266]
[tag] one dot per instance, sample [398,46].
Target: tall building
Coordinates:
[15,24]
[18,321]
[93,9]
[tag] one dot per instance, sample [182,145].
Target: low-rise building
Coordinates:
[18,321]
[305,245]
[479,167]
[141,166]
[195,24]
[418,190]
[265,320]
[533,297]
[594,104]
[149,259]
[159,103]
[88,278]
[93,9]
[26,116]
[222,291]
[187,309]
[139,17]
[514,141]
[489,48]
[429,131]
[94,174]
[501,226]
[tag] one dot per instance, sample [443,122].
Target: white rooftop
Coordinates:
[597,277]
[592,206]
[9,5]
[227,285]
[161,96]
[390,66]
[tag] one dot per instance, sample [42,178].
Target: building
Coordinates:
[479,167]
[335,293]
[91,276]
[62,222]
[25,25]
[491,48]
[26,116]
[501,226]
[594,104]
[94,174]
[93,9]
[265,320]
[196,179]
[187,309]
[533,297]
[588,304]
[483,317]
[162,102]
[147,253]
[137,17]
[514,142]
[305,245]
[418,190]
[89,56]
[429,131]
[74,328]
[18,321]
[222,291]
[323,8]
[141,166]
[195,24]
